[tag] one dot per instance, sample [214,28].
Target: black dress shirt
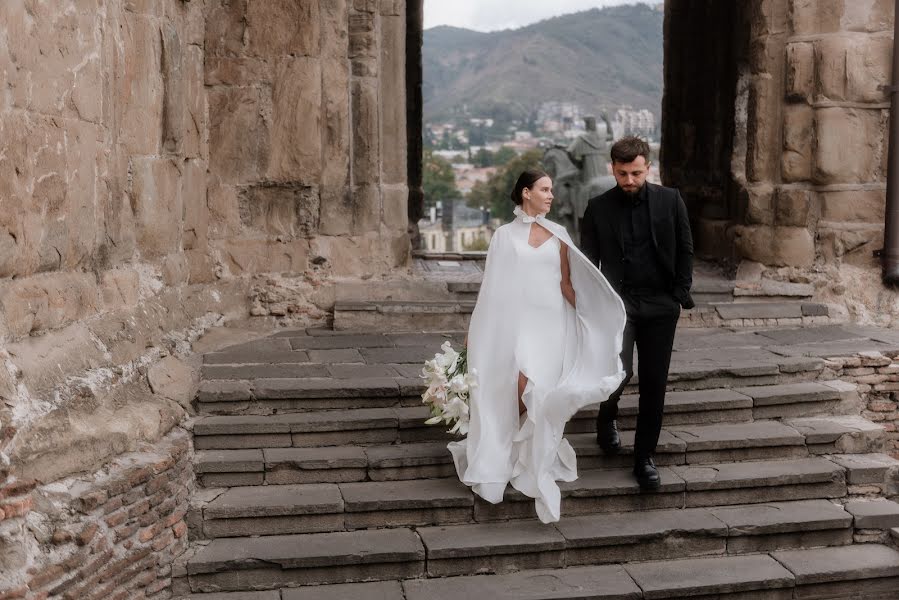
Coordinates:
[642,271]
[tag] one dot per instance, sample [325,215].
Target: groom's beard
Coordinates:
[632,192]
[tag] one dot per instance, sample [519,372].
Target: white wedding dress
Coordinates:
[522,323]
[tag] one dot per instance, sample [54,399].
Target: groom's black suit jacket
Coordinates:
[602,238]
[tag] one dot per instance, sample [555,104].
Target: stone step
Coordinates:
[355,505]
[390,377]
[678,445]
[869,571]
[406,424]
[343,557]
[624,537]
[724,309]
[448,550]
[731,311]
[259,563]
[400,315]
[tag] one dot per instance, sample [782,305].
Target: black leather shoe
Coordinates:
[607,436]
[647,475]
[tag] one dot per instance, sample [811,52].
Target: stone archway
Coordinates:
[703,115]
[414,113]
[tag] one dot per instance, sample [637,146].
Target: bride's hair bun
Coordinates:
[527,179]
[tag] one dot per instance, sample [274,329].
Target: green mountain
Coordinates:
[597,58]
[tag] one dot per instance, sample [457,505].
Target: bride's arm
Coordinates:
[567,288]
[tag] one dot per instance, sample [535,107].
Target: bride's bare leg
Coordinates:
[522,383]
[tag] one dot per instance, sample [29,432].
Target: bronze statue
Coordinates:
[579,173]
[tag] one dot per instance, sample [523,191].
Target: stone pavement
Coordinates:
[320,480]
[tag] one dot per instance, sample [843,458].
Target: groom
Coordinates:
[639,235]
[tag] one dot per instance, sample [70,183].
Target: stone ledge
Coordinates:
[821,565]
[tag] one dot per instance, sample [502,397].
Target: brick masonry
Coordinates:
[154,187]
[877,377]
[111,535]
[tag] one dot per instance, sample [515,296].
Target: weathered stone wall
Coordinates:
[876,376]
[809,149]
[166,167]
[109,535]
[308,133]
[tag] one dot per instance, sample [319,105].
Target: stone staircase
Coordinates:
[444,296]
[318,480]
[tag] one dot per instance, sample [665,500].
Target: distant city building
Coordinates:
[466,175]
[560,116]
[450,155]
[629,121]
[468,230]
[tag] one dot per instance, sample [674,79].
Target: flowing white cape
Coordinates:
[532,455]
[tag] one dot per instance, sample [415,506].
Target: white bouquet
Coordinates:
[449,388]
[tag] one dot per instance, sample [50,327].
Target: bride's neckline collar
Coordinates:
[525,217]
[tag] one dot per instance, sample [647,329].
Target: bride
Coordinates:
[545,337]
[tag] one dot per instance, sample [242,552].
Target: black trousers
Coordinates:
[651,323]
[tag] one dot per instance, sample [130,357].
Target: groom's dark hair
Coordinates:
[527,179]
[628,148]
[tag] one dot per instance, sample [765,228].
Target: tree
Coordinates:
[478,245]
[483,158]
[504,155]
[438,181]
[494,193]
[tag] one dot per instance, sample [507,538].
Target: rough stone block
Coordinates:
[47,302]
[174,379]
[853,206]
[810,17]
[239,133]
[337,210]
[366,139]
[139,85]
[800,70]
[763,136]
[796,163]
[174,90]
[262,256]
[285,211]
[848,138]
[296,116]
[367,208]
[222,201]
[792,207]
[760,205]
[196,211]
[868,69]
[283,27]
[780,246]
[395,207]
[363,42]
[335,129]
[119,288]
[157,205]
[876,16]
[195,118]
[225,28]
[393,99]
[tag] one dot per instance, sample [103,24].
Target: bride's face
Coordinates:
[539,198]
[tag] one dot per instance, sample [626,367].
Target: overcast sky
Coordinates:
[492,15]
